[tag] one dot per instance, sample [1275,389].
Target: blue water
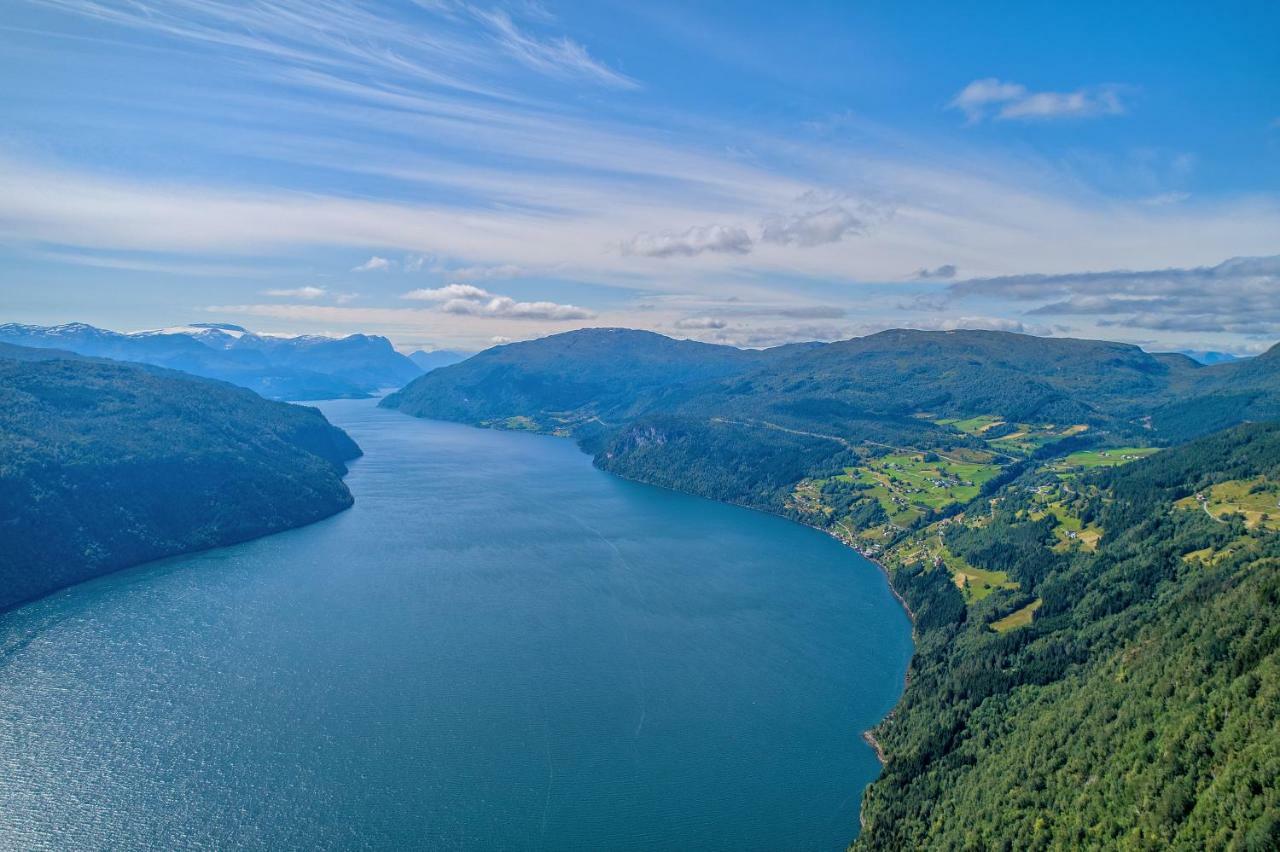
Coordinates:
[498,647]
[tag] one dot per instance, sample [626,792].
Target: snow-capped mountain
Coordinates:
[304,367]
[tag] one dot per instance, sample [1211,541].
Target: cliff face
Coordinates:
[106,465]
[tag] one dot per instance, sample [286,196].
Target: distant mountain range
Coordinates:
[300,368]
[596,382]
[428,361]
[105,464]
[1208,357]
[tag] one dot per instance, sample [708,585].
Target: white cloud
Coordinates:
[297,293]
[476,273]
[828,225]
[980,323]
[558,57]
[374,264]
[446,293]
[474,301]
[983,98]
[974,98]
[691,323]
[697,240]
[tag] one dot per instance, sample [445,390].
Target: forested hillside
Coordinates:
[1094,599]
[580,382]
[104,465]
[1137,704]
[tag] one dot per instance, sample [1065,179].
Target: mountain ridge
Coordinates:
[304,367]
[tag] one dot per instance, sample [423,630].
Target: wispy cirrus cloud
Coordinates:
[475,301]
[994,98]
[561,56]
[323,36]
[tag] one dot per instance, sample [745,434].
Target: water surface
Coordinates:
[498,647]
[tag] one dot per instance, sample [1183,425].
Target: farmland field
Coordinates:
[909,484]
[1256,500]
[1086,460]
[1020,618]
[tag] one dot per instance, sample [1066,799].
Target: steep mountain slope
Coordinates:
[1139,708]
[277,368]
[104,465]
[1220,395]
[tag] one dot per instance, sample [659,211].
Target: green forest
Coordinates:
[105,464]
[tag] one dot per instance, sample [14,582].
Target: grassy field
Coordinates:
[1012,438]
[1086,460]
[1256,500]
[908,484]
[1020,618]
[972,425]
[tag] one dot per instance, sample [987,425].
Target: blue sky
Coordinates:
[452,174]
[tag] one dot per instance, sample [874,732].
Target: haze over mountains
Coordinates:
[301,368]
[428,361]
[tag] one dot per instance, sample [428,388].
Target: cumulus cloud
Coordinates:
[991,97]
[946,270]
[297,293]
[697,240]
[828,225]
[373,264]
[446,293]
[469,300]
[1240,295]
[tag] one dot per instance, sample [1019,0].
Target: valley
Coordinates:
[1041,511]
